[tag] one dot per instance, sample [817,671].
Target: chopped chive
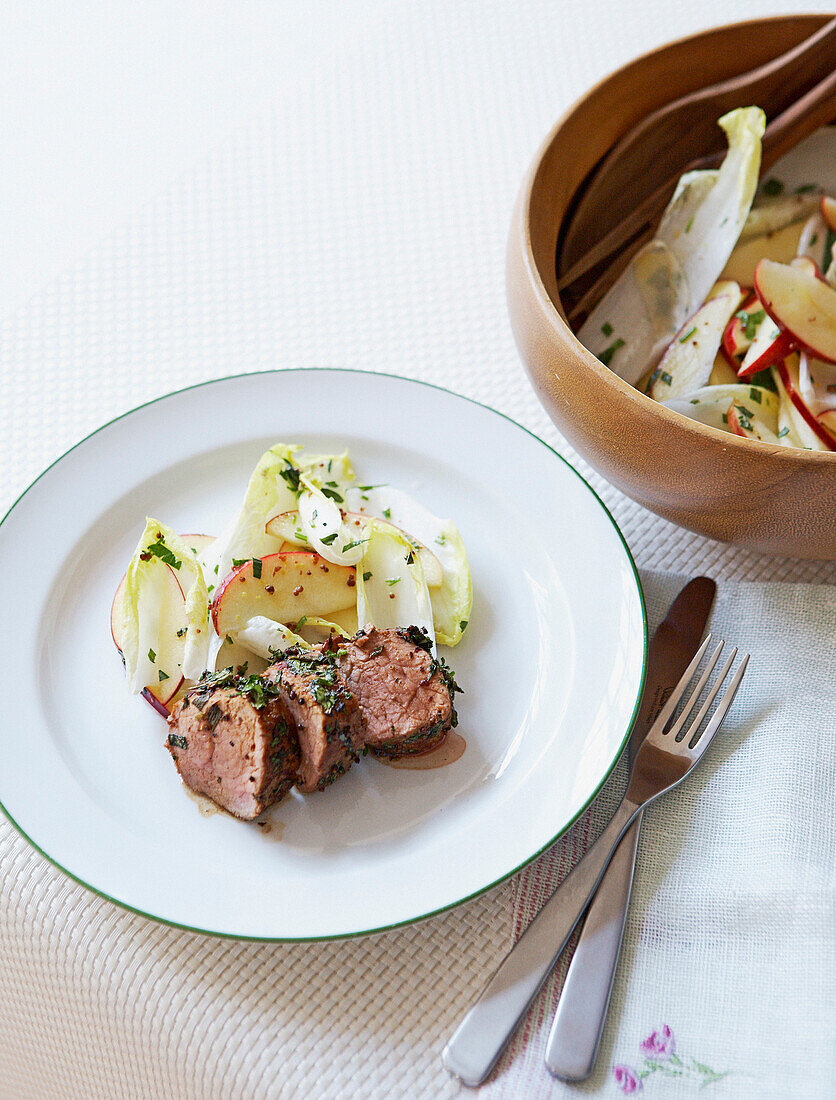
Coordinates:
[755,395]
[773,187]
[367,576]
[163,676]
[441,539]
[392,581]
[666,378]
[152,656]
[328,539]
[805,188]
[257,568]
[332,494]
[695,401]
[688,335]
[387,513]
[606,328]
[301,622]
[463,624]
[784,431]
[608,353]
[690,223]
[239,561]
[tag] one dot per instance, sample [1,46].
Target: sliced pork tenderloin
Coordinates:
[325,713]
[405,694]
[233,740]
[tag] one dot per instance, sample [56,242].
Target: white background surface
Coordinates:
[196,189]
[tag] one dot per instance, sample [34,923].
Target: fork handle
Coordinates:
[585,997]
[483,1034]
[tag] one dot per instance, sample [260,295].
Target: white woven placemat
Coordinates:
[358,219]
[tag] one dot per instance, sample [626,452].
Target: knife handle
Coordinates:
[582,1008]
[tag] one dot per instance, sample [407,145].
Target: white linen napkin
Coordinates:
[727,982]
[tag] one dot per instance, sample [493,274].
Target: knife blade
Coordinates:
[582,1009]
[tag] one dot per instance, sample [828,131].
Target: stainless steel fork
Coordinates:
[670,751]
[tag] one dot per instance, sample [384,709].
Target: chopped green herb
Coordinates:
[690,223]
[814,239]
[181,633]
[178,741]
[239,561]
[291,475]
[463,624]
[163,676]
[257,568]
[725,418]
[773,187]
[367,576]
[750,321]
[744,416]
[365,488]
[391,581]
[301,622]
[351,545]
[152,656]
[410,558]
[755,394]
[228,640]
[784,431]
[606,328]
[161,551]
[441,539]
[608,353]
[213,715]
[688,335]
[378,649]
[217,567]
[723,222]
[652,379]
[328,539]
[387,513]
[330,464]
[300,535]
[666,378]
[332,494]
[805,188]
[210,588]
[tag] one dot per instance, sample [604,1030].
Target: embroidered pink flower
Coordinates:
[659,1045]
[627,1079]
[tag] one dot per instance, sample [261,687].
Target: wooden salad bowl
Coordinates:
[775,500]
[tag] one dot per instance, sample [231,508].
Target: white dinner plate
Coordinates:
[552,664]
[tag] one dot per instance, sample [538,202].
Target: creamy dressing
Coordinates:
[448,752]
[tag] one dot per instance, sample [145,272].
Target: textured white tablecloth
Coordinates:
[248,186]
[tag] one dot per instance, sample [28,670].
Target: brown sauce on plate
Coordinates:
[448,752]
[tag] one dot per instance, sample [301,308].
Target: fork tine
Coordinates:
[712,695]
[673,701]
[720,713]
[695,694]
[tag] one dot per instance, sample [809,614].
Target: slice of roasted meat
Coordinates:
[325,713]
[233,739]
[405,694]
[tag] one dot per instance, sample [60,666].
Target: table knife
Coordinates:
[582,1009]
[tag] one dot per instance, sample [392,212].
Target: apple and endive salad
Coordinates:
[728,315]
[310,553]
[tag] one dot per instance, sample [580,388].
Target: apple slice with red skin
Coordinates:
[828,212]
[789,378]
[801,305]
[158,695]
[769,346]
[735,342]
[827,420]
[288,586]
[808,265]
